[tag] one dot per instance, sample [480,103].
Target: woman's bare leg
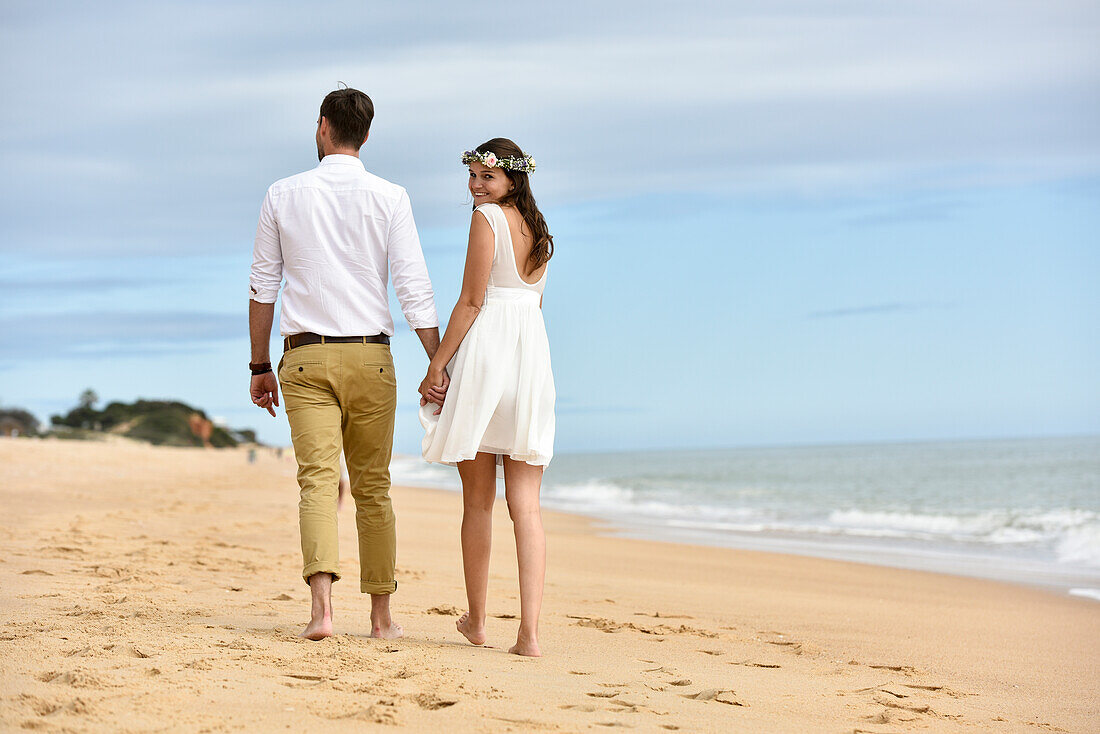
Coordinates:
[522,483]
[479,489]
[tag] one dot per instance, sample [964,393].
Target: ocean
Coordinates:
[1020,510]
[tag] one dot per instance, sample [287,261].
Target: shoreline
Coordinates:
[136,581]
[905,553]
[613,530]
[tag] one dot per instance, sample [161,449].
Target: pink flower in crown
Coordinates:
[490,160]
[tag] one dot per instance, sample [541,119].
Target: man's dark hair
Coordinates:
[349,113]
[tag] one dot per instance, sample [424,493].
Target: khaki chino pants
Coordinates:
[343,395]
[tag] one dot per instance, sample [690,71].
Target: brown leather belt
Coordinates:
[301,340]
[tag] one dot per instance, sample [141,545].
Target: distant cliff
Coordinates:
[17,422]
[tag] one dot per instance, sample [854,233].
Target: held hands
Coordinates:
[434,387]
[265,391]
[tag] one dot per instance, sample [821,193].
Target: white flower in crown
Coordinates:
[490,159]
[531,162]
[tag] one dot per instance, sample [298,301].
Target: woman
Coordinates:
[499,404]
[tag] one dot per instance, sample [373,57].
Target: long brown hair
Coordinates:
[522,198]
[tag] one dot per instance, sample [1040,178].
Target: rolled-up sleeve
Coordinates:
[408,270]
[267,256]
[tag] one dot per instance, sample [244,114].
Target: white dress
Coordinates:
[501,397]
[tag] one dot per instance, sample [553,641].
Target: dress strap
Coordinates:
[494,215]
[499,224]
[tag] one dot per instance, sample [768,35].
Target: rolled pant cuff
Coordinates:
[320,567]
[377,587]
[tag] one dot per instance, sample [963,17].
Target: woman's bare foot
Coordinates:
[318,628]
[476,635]
[527,648]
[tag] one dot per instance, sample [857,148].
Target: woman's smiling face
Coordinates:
[488,185]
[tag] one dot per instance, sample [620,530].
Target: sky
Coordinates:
[775,223]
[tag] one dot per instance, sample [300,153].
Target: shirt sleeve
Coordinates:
[408,270]
[267,256]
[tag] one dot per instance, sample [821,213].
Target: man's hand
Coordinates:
[265,391]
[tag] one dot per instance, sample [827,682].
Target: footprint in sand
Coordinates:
[445,610]
[725,696]
[907,669]
[897,704]
[938,689]
[432,702]
[382,712]
[64,550]
[78,678]
[659,631]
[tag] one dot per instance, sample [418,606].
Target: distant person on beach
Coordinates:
[499,406]
[334,233]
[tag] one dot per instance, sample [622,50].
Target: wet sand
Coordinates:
[158,589]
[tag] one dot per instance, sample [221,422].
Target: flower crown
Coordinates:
[524,164]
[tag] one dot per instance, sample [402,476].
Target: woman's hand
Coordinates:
[433,389]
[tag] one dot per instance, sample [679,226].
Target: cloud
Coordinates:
[875,309]
[567,406]
[94,335]
[53,286]
[909,212]
[159,146]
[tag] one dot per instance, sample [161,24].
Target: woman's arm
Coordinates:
[479,261]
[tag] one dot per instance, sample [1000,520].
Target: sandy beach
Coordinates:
[156,589]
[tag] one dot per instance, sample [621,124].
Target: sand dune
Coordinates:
[158,589]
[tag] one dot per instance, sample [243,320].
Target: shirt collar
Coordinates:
[339,159]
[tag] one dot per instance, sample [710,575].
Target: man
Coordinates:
[332,232]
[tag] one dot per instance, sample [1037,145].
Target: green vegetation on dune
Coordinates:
[159,422]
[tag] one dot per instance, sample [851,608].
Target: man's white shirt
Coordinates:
[333,232]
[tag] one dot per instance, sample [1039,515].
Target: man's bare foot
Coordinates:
[382,625]
[390,631]
[527,648]
[475,635]
[318,629]
[320,613]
